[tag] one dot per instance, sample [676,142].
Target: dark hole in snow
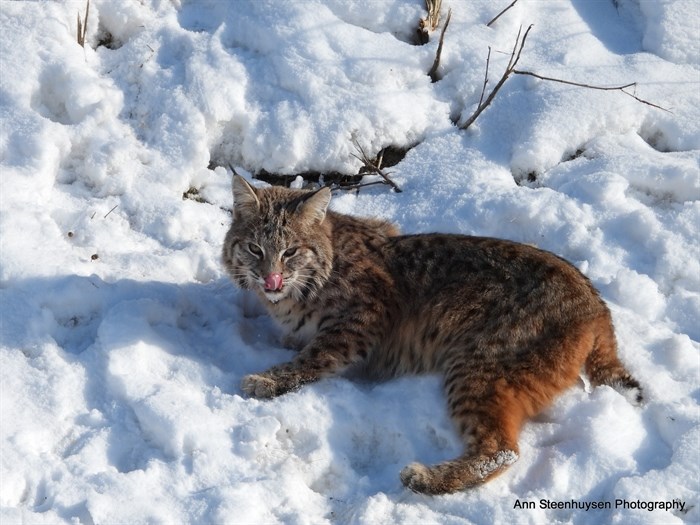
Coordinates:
[390,156]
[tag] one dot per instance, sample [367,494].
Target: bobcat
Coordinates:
[508,325]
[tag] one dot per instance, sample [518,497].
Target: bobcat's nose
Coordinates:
[274,282]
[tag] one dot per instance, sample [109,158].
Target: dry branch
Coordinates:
[514,57]
[436,63]
[374,166]
[338,186]
[110,211]
[511,70]
[493,20]
[589,86]
[570,83]
[486,77]
[82,26]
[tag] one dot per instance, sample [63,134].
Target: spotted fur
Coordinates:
[508,325]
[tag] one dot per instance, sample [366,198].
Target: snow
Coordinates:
[122,342]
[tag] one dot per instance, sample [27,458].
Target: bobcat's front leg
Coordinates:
[277,380]
[259,385]
[326,355]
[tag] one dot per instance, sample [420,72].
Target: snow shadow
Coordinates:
[613,32]
[142,348]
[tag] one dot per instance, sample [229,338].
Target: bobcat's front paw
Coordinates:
[256,385]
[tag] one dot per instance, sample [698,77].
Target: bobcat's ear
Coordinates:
[315,205]
[244,196]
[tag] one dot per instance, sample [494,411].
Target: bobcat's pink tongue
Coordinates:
[273,282]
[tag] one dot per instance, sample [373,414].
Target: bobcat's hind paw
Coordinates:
[256,385]
[416,477]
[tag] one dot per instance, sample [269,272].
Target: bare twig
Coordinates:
[82,26]
[336,186]
[513,62]
[514,57]
[436,63]
[110,211]
[493,20]
[635,97]
[380,159]
[568,82]
[486,77]
[374,166]
[589,86]
[511,70]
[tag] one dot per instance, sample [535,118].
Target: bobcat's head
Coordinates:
[278,244]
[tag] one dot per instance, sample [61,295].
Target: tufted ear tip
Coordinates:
[316,204]
[244,195]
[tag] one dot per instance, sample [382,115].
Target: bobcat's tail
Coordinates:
[603,367]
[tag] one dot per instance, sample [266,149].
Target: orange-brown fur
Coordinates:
[508,325]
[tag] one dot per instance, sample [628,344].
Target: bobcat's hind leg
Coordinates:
[489,420]
[467,471]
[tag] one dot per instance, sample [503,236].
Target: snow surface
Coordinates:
[123,343]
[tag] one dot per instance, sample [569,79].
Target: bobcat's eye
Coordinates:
[289,252]
[255,249]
